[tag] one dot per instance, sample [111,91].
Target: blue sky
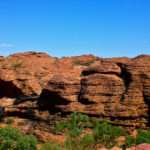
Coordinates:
[105,28]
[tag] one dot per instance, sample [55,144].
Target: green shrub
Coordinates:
[13,139]
[74,126]
[82,63]
[130,141]
[51,146]
[143,137]
[10,120]
[87,142]
[71,144]
[60,127]
[78,143]
[102,132]
[106,134]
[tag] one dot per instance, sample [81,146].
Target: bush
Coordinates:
[78,143]
[60,127]
[83,63]
[87,142]
[106,134]
[143,137]
[130,141]
[13,139]
[103,132]
[74,126]
[51,146]
[10,120]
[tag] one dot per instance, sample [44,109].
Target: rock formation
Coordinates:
[114,89]
[117,89]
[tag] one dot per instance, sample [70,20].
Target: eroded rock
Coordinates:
[117,89]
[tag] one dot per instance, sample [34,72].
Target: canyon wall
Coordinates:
[117,89]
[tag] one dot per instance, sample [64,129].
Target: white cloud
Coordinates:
[6,45]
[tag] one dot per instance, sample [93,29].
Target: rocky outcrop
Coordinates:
[25,74]
[117,89]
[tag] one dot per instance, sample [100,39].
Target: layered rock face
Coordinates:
[117,89]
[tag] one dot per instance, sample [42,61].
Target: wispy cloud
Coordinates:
[6,45]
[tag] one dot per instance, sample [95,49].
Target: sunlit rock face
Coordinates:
[117,89]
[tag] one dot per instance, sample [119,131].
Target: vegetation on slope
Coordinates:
[13,139]
[81,132]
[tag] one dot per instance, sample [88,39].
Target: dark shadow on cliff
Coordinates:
[126,77]
[8,89]
[50,100]
[147,101]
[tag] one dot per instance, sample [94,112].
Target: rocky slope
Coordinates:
[35,86]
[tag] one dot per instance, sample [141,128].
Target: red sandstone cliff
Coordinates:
[117,89]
